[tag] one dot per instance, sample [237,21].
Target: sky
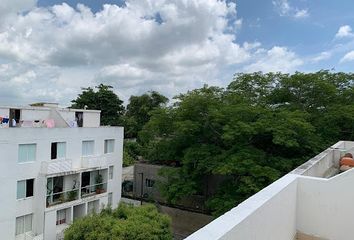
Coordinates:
[50,49]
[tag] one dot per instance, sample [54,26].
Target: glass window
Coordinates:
[110,196]
[26,153]
[23,224]
[61,217]
[109,146]
[25,188]
[110,172]
[92,207]
[61,150]
[149,183]
[58,150]
[88,148]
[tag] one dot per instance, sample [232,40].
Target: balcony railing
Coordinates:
[93,161]
[57,166]
[94,189]
[62,197]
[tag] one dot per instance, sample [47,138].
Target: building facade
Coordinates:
[58,165]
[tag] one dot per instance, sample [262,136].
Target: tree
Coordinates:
[256,130]
[124,223]
[103,99]
[138,111]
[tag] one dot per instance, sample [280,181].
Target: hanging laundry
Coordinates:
[13,122]
[49,123]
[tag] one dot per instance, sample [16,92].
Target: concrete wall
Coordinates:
[91,119]
[13,171]
[185,223]
[324,206]
[267,215]
[4,112]
[38,114]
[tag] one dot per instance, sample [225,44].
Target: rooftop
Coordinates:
[47,115]
[311,202]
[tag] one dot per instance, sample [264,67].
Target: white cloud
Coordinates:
[49,53]
[348,57]
[277,59]
[344,31]
[123,46]
[322,56]
[284,8]
[303,13]
[10,8]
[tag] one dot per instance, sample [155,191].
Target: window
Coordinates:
[110,172]
[92,207]
[23,224]
[25,188]
[87,148]
[55,187]
[61,217]
[149,182]
[26,153]
[110,196]
[109,146]
[58,150]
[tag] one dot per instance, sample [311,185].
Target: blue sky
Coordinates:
[57,47]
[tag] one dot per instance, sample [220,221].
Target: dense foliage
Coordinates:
[124,223]
[251,133]
[103,99]
[138,111]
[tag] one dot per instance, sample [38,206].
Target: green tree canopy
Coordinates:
[101,98]
[124,223]
[253,132]
[138,111]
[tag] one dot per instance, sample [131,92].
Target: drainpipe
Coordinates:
[141,188]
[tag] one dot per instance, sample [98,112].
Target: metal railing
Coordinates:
[62,197]
[94,189]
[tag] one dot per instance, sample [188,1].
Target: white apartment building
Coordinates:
[313,202]
[58,165]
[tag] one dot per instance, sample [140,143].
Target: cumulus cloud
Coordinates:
[284,8]
[322,56]
[164,45]
[127,47]
[277,59]
[348,57]
[344,31]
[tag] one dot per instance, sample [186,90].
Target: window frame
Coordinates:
[93,148]
[26,181]
[109,146]
[110,172]
[59,219]
[57,144]
[24,224]
[149,183]
[27,153]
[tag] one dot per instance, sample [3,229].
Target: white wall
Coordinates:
[4,112]
[91,119]
[325,206]
[267,215]
[37,114]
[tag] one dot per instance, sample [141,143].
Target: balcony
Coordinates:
[94,189]
[94,161]
[57,166]
[62,197]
